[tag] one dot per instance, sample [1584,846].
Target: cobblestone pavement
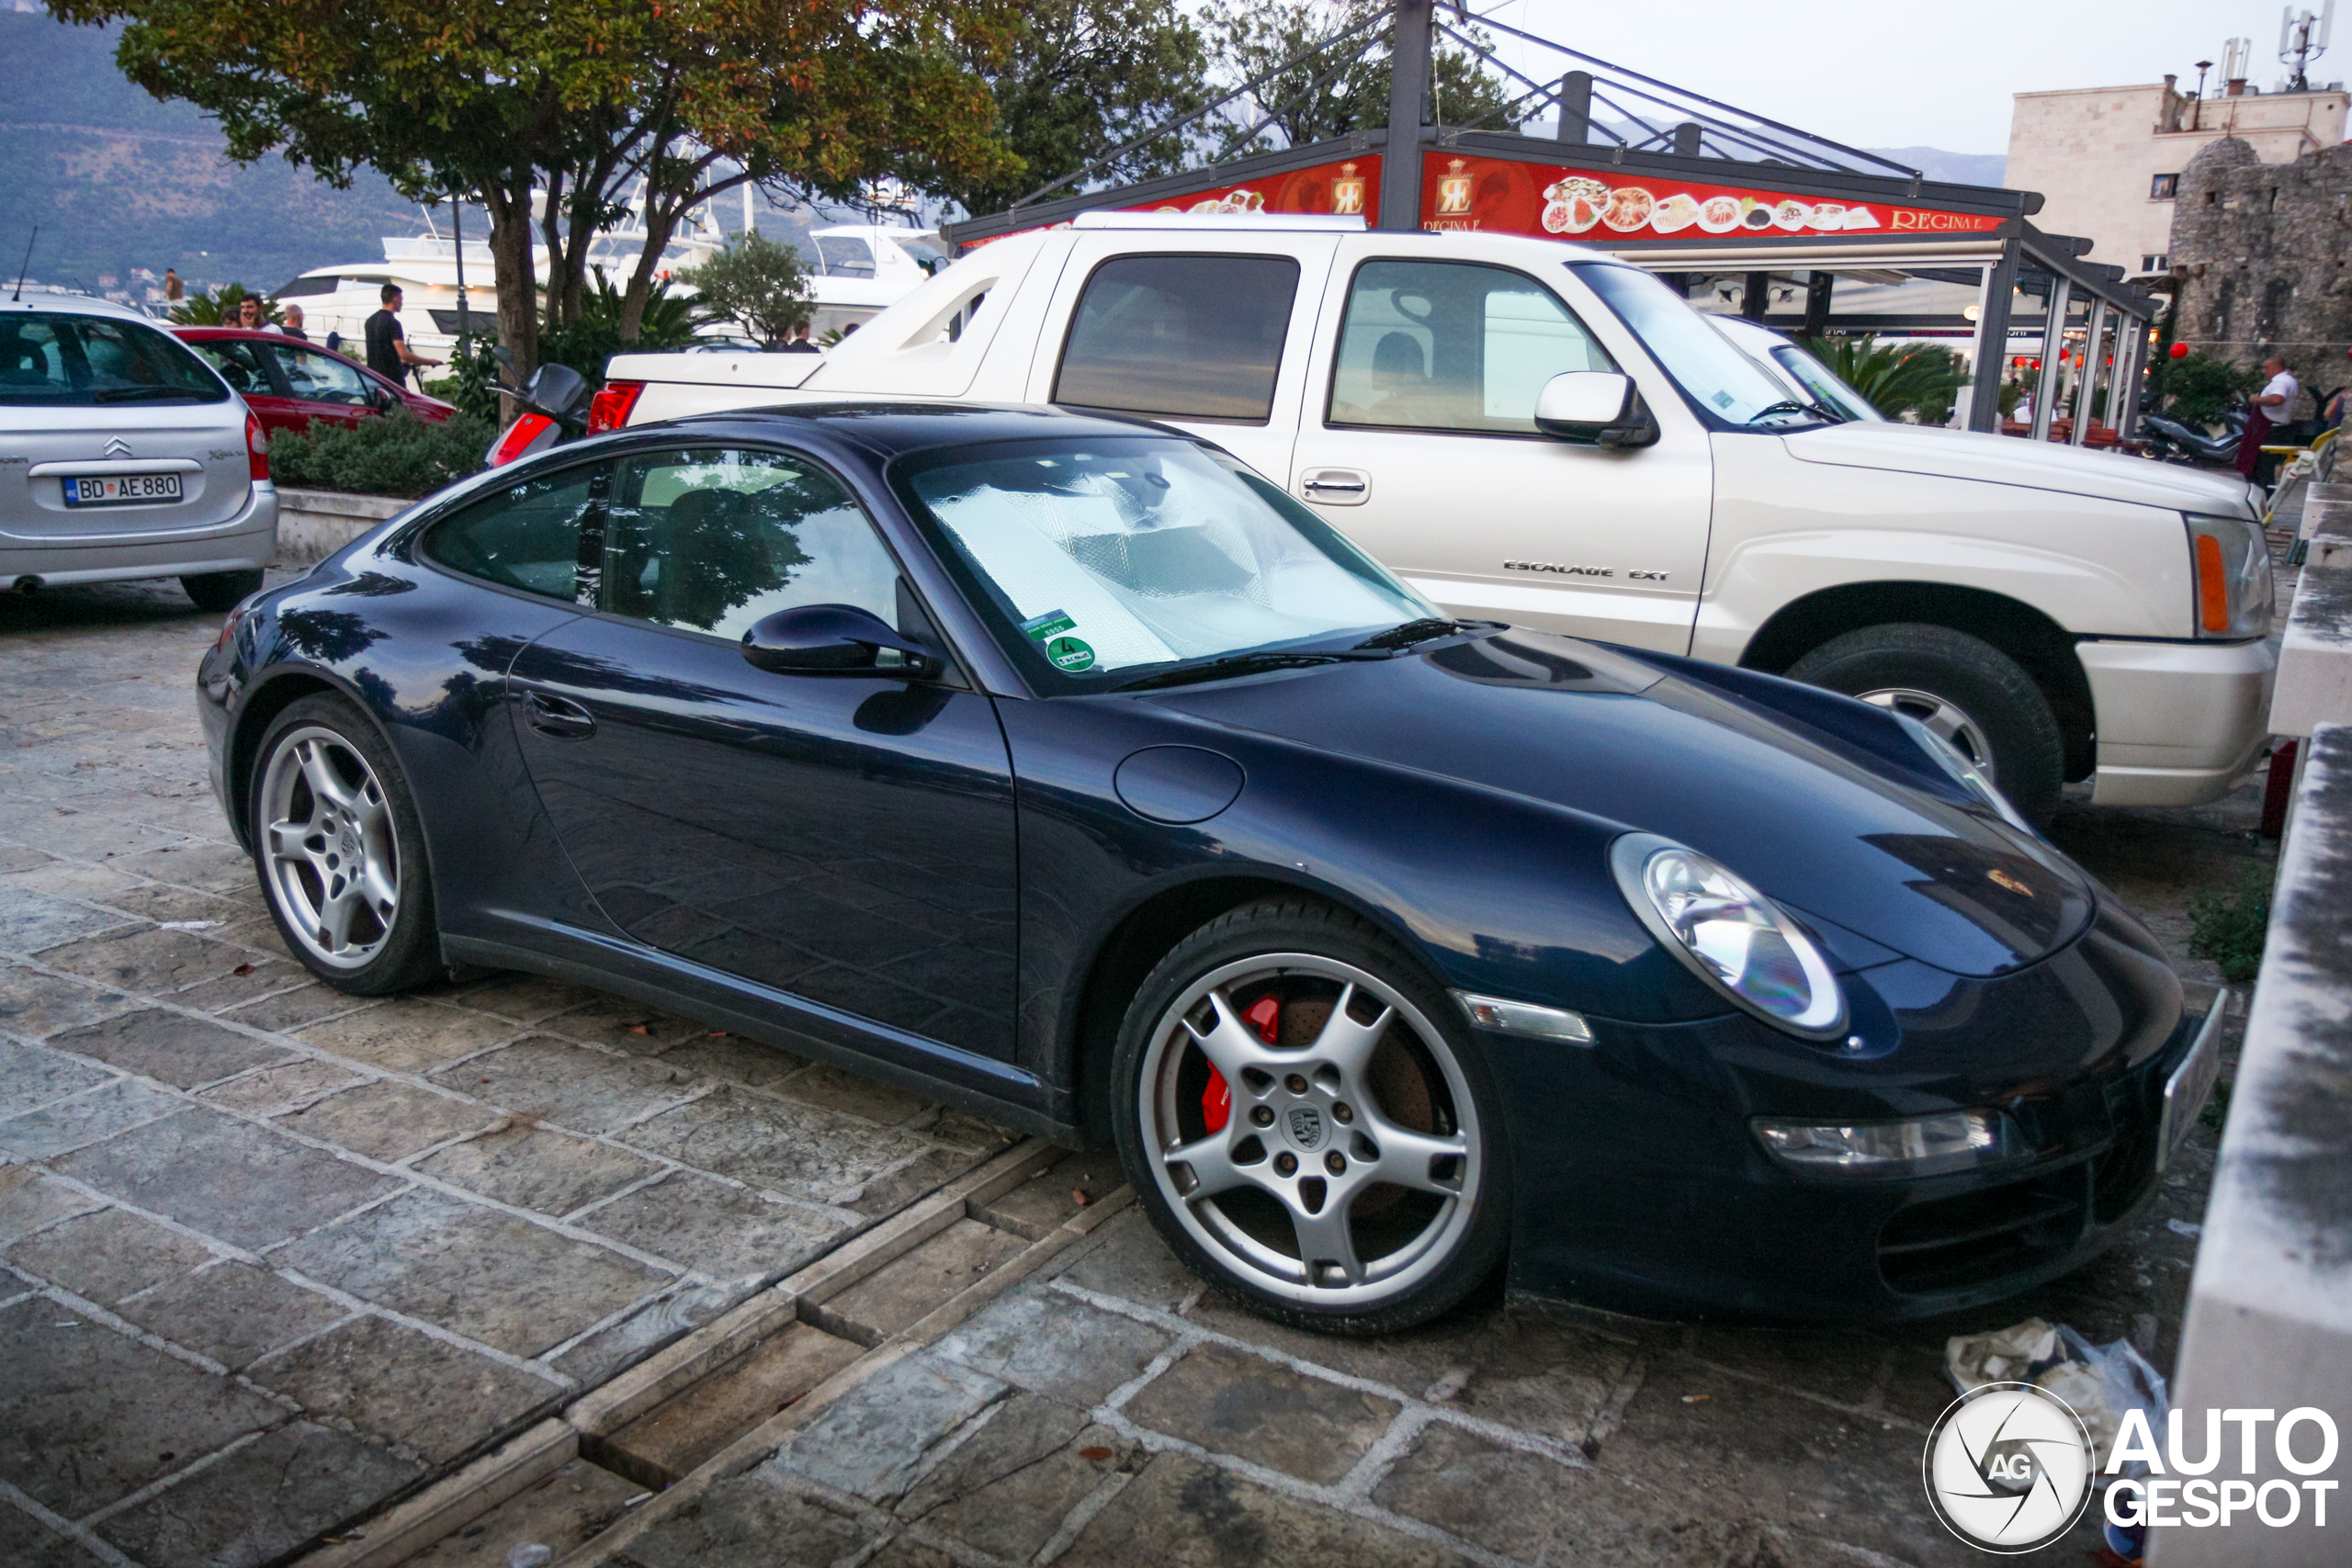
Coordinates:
[272,1253]
[270,1257]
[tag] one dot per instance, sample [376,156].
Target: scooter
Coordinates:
[552,408]
[2171,441]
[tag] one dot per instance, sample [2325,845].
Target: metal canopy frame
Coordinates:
[1705,137]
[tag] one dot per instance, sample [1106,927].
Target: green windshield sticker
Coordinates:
[1069,653]
[1052,623]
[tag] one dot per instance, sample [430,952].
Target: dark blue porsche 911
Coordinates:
[1067,770]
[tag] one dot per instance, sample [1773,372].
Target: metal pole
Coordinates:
[1817,290]
[1686,139]
[1755,296]
[1575,107]
[457,228]
[1408,86]
[2131,340]
[2054,347]
[2092,331]
[1991,341]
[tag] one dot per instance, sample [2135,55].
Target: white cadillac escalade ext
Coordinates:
[1536,433]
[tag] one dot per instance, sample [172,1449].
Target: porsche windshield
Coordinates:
[1107,558]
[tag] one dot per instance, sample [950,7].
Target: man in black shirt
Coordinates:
[388,355]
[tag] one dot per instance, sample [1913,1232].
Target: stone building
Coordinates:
[2258,258]
[2108,161]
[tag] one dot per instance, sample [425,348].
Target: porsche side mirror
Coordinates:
[836,640]
[1594,408]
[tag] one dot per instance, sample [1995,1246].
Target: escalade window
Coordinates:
[1720,382]
[1453,345]
[1181,337]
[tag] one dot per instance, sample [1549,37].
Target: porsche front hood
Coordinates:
[1814,821]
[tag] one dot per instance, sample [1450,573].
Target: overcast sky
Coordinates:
[1903,73]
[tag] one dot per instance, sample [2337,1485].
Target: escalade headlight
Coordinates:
[2229,561]
[1729,935]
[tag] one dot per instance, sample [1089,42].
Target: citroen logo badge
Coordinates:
[118,447]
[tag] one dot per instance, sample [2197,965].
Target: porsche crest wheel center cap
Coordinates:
[1304,1124]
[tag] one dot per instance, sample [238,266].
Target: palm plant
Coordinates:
[1918,379]
[219,307]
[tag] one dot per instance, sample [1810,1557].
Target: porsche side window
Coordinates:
[1450,346]
[1182,337]
[714,539]
[526,537]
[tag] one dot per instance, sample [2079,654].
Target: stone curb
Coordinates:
[754,1446]
[456,1500]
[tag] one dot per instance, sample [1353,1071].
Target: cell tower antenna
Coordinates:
[2301,40]
[27,267]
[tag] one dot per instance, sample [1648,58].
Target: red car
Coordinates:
[287,382]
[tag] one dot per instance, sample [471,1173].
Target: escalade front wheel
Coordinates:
[1962,688]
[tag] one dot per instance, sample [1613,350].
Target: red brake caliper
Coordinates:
[1264,1015]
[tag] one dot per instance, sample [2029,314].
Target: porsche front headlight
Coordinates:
[1729,935]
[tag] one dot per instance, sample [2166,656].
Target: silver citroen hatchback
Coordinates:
[123,455]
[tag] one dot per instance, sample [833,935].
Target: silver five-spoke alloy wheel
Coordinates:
[331,857]
[1942,716]
[1348,1164]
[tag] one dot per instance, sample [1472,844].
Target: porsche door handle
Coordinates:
[1337,487]
[558,717]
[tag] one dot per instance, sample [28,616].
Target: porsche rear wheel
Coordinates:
[1309,1123]
[340,852]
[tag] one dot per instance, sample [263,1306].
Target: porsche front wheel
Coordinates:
[1309,1124]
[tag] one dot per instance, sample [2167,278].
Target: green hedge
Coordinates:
[396,454]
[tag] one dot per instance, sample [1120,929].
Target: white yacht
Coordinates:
[858,269]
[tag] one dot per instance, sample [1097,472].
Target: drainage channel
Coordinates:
[767,1364]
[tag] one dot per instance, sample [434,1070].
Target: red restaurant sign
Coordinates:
[1559,202]
[1552,201]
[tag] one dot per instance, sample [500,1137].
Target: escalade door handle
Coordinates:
[1336,487]
[559,717]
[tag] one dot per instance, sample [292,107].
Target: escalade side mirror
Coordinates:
[1594,408]
[836,640]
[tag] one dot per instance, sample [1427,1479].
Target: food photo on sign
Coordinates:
[1503,195]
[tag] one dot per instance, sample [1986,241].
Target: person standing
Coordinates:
[388,355]
[174,290]
[293,325]
[2270,405]
[251,315]
[800,344]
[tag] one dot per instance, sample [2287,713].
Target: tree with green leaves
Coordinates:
[1080,78]
[1343,90]
[550,112]
[756,284]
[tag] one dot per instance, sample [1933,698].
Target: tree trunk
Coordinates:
[509,201]
[662,217]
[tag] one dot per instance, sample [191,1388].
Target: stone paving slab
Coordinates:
[271,1255]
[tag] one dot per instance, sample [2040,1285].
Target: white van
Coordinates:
[1537,433]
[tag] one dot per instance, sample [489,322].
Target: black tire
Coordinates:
[1420,1090]
[220,590]
[363,822]
[2019,732]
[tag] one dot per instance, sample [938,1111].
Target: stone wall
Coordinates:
[314,523]
[2259,251]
